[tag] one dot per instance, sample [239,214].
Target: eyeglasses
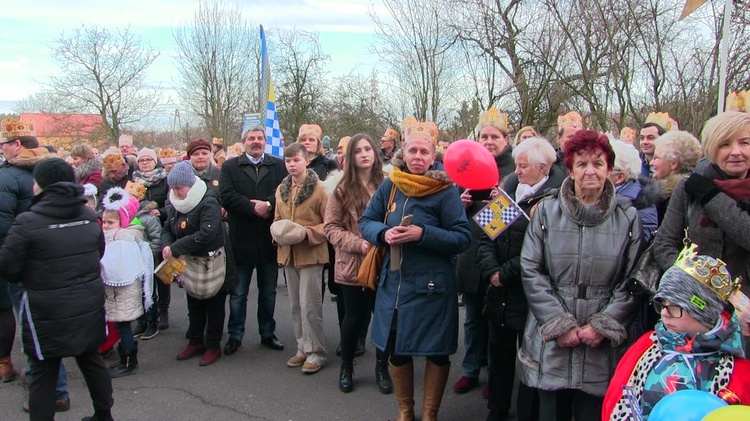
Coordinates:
[145,160]
[674,311]
[6,142]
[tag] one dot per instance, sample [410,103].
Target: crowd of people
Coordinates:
[551,307]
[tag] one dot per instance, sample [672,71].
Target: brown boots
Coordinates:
[435,378]
[403,383]
[7,373]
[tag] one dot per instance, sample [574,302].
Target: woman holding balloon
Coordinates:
[696,348]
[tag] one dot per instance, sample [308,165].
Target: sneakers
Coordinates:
[296,361]
[310,367]
[150,332]
[465,384]
[139,329]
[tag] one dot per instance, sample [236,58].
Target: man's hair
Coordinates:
[294,149]
[253,129]
[28,142]
[659,128]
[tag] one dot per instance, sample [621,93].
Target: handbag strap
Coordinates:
[390,203]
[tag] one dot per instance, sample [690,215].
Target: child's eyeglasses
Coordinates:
[674,311]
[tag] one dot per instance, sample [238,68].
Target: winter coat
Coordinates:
[157,194]
[124,303]
[667,185]
[220,157]
[90,172]
[424,289]
[345,238]
[211,178]
[387,157]
[643,194]
[308,210]
[151,227]
[322,166]
[107,184]
[16,192]
[63,303]
[241,181]
[198,232]
[574,263]
[506,304]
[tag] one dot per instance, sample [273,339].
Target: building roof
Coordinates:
[57,125]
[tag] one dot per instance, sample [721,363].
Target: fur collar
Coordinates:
[332,181]
[668,184]
[88,168]
[194,196]
[578,212]
[398,162]
[308,188]
[29,158]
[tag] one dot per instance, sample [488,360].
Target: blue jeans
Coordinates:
[267,275]
[475,336]
[61,388]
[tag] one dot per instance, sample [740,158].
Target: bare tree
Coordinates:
[103,72]
[218,61]
[40,102]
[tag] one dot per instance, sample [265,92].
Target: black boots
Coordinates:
[382,378]
[346,381]
[128,363]
[100,415]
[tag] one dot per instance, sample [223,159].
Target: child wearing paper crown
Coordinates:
[697,345]
[127,272]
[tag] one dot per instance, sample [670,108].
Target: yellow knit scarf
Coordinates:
[413,185]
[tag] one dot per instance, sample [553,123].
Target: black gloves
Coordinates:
[701,188]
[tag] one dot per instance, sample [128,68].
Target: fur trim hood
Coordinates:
[583,215]
[308,188]
[333,180]
[88,168]
[30,157]
[669,183]
[436,171]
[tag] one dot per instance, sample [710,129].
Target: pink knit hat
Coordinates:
[127,206]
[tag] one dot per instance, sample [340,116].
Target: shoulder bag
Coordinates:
[369,269]
[204,275]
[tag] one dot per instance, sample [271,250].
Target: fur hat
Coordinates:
[692,295]
[53,170]
[288,233]
[182,175]
[146,152]
[198,144]
[125,205]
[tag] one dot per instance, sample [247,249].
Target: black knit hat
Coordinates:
[53,170]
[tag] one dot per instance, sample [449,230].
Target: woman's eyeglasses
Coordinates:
[674,311]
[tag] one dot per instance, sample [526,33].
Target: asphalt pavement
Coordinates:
[253,384]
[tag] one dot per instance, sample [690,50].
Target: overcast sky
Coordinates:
[30,27]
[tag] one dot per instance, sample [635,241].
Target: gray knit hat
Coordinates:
[692,295]
[182,175]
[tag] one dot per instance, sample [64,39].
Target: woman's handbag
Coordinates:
[644,280]
[369,269]
[204,275]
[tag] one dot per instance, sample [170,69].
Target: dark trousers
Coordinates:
[358,302]
[558,405]
[504,344]
[44,378]
[7,330]
[206,320]
[165,295]
[127,342]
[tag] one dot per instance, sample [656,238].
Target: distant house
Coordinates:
[66,130]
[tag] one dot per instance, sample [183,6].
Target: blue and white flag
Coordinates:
[274,141]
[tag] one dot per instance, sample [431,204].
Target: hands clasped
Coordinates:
[586,335]
[401,234]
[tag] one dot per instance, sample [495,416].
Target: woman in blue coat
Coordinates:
[416,311]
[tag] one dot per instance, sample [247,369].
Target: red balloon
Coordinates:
[470,165]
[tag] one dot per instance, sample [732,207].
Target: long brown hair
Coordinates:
[351,192]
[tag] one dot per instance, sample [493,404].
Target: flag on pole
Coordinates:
[274,141]
[690,7]
[498,215]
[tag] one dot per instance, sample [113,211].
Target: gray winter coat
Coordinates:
[574,263]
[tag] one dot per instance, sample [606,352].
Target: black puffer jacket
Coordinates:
[54,251]
[15,189]
[506,305]
[322,166]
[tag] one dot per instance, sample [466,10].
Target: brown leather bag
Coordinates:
[369,269]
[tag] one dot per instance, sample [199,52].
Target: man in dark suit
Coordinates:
[247,186]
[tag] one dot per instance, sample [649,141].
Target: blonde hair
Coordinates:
[681,147]
[522,131]
[82,151]
[720,128]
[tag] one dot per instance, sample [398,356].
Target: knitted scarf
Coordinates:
[413,185]
[151,177]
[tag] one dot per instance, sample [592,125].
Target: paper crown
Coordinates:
[235,149]
[427,131]
[627,134]
[571,119]
[136,189]
[218,141]
[167,153]
[310,129]
[125,139]
[738,101]
[494,118]
[111,158]
[662,119]
[14,128]
[391,134]
[343,143]
[408,121]
[709,271]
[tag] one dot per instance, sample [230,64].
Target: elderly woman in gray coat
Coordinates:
[578,249]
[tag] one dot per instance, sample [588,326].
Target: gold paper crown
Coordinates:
[310,129]
[571,119]
[709,271]
[218,141]
[427,130]
[235,149]
[627,133]
[738,101]
[408,121]
[391,134]
[167,153]
[343,143]
[662,119]
[136,189]
[111,158]
[125,139]
[13,128]
[494,118]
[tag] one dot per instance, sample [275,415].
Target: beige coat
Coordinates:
[306,209]
[346,240]
[124,303]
